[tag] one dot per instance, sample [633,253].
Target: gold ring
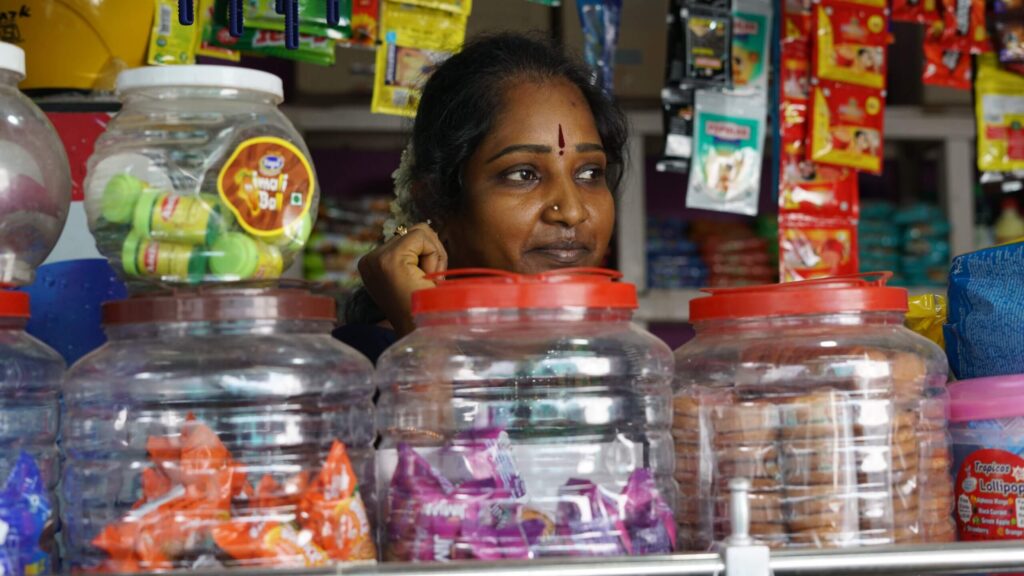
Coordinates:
[401,230]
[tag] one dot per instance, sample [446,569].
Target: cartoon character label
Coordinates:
[750,50]
[267,183]
[851,42]
[989,490]
[847,124]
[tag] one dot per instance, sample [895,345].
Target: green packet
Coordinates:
[315,49]
[547,2]
[312,18]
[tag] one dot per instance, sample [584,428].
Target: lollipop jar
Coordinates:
[525,417]
[29,466]
[200,178]
[35,181]
[817,393]
[218,428]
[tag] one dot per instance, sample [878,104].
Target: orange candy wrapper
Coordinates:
[850,43]
[846,126]
[196,494]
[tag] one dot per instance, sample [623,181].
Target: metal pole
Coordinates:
[961,557]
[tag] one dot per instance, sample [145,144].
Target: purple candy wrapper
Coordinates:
[513,541]
[589,521]
[481,454]
[25,510]
[649,520]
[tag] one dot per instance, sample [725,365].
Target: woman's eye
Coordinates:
[522,175]
[590,174]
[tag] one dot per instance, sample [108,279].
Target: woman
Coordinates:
[513,162]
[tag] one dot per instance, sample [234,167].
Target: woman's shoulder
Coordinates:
[370,339]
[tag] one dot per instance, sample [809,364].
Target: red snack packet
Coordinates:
[814,247]
[846,126]
[796,86]
[270,494]
[850,44]
[964,26]
[944,66]
[332,510]
[809,188]
[275,544]
[916,11]
[154,485]
[796,21]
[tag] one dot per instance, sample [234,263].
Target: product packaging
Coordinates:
[1009,38]
[751,55]
[999,105]
[263,15]
[851,43]
[945,66]
[728,144]
[817,189]
[365,20]
[707,37]
[795,97]
[814,247]
[983,336]
[209,33]
[926,315]
[600,22]
[265,36]
[797,16]
[416,39]
[847,126]
[916,11]
[170,42]
[677,117]
[964,25]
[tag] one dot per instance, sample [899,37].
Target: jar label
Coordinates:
[990,496]
[268,184]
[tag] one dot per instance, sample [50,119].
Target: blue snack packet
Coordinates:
[25,510]
[984,334]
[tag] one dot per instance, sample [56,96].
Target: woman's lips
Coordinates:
[563,253]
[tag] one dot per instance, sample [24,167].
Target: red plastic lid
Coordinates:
[459,290]
[13,304]
[864,292]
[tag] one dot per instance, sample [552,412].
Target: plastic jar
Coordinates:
[221,427]
[818,394]
[986,423]
[35,180]
[525,417]
[200,178]
[30,374]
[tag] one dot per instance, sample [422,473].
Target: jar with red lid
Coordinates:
[218,427]
[525,417]
[817,393]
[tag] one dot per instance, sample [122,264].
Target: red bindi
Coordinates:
[561,141]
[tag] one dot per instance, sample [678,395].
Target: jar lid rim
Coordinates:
[200,76]
[220,304]
[988,398]
[12,58]
[13,304]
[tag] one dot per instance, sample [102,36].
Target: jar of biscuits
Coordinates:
[817,393]
[525,417]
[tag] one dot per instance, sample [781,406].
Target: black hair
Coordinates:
[459,105]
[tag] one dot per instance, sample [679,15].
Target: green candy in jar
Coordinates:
[238,256]
[162,215]
[141,256]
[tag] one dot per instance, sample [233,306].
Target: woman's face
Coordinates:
[536,197]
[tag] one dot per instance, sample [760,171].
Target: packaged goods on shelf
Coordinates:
[345,231]
[218,429]
[525,417]
[194,184]
[836,412]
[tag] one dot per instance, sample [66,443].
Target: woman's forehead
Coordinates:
[534,111]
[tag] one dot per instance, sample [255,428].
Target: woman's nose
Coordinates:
[566,205]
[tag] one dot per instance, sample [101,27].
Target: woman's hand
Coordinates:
[396,269]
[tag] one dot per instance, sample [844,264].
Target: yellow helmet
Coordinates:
[77,44]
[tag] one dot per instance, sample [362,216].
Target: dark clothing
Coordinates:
[370,339]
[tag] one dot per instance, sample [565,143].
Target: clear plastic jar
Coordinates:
[215,428]
[200,178]
[30,375]
[35,180]
[525,417]
[818,394]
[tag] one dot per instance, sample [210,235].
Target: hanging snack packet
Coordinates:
[729,139]
[964,25]
[263,15]
[999,104]
[814,247]
[795,97]
[170,42]
[677,116]
[365,16]
[463,7]
[819,189]
[600,22]
[315,49]
[416,40]
[1009,37]
[796,15]
[850,43]
[916,11]
[944,66]
[847,125]
[708,39]
[751,32]
[206,25]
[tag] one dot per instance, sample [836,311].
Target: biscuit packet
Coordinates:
[999,106]
[416,39]
[817,189]
[728,144]
[795,81]
[946,66]
[796,20]
[816,247]
[847,125]
[850,44]
[751,55]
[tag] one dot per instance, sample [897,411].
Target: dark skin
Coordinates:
[529,204]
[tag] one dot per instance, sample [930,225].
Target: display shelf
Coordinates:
[674,305]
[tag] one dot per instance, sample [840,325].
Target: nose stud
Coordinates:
[556,207]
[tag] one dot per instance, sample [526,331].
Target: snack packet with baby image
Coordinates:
[728,146]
